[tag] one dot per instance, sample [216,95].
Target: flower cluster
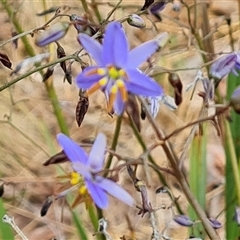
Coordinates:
[117,71]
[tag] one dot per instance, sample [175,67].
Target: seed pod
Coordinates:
[177,85]
[48,73]
[46,205]
[136,21]
[82,107]
[5,60]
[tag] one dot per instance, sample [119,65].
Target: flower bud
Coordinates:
[157,7]
[54,33]
[183,220]
[235,100]
[162,39]
[236,216]
[215,223]
[136,21]
[223,66]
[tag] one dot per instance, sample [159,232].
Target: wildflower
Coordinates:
[117,73]
[86,168]
[183,220]
[54,33]
[224,65]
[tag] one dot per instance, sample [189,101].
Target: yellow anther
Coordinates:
[83,190]
[113,73]
[114,89]
[121,73]
[101,71]
[75,178]
[120,83]
[103,81]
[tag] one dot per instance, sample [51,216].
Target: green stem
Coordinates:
[48,84]
[233,159]
[114,142]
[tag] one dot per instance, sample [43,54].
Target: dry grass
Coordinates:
[28,128]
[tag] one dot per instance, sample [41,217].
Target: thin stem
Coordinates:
[180,176]
[233,159]
[114,142]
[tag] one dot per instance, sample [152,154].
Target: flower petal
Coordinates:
[98,195]
[115,45]
[118,104]
[141,53]
[115,190]
[141,84]
[73,151]
[96,156]
[86,79]
[93,47]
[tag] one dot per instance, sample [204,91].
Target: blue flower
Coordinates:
[224,65]
[86,168]
[116,72]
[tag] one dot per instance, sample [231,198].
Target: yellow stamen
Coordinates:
[83,190]
[121,86]
[75,178]
[113,73]
[103,81]
[112,97]
[121,73]
[101,71]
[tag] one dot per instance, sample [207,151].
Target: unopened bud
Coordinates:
[215,223]
[223,66]
[236,216]
[54,33]
[235,100]
[157,7]
[136,21]
[183,220]
[162,39]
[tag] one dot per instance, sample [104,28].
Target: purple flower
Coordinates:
[87,166]
[215,223]
[224,65]
[117,73]
[183,220]
[54,33]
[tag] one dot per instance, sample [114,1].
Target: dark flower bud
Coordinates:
[48,73]
[215,223]
[183,220]
[82,107]
[235,100]
[1,190]
[46,205]
[177,85]
[136,21]
[54,33]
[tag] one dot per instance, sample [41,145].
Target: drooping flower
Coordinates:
[117,73]
[85,171]
[183,220]
[54,33]
[224,65]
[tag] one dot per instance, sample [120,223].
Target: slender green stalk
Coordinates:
[233,159]
[49,85]
[114,142]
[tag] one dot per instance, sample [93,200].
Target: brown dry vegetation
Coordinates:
[28,127]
